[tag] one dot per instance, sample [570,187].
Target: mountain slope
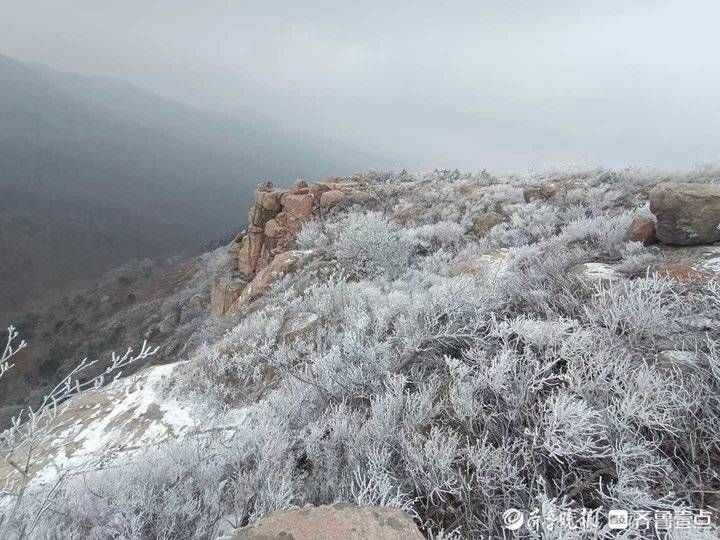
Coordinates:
[522,378]
[94,171]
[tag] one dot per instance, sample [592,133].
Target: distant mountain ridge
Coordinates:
[95,171]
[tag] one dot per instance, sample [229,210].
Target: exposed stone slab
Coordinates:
[332,522]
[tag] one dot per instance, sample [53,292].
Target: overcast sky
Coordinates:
[504,85]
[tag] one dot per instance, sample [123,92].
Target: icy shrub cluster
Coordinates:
[368,245]
[454,395]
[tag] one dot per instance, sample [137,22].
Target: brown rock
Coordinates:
[250,251]
[332,198]
[341,521]
[687,213]
[680,271]
[299,206]
[486,221]
[542,192]
[224,292]
[359,196]
[234,249]
[255,243]
[316,189]
[259,216]
[273,229]
[271,200]
[274,219]
[493,262]
[298,186]
[688,263]
[642,229]
[281,265]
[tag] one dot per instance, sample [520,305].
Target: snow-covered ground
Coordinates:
[102,425]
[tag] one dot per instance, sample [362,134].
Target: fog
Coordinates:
[503,85]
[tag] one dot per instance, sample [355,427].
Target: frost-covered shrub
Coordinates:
[636,259]
[368,245]
[528,224]
[641,310]
[605,231]
[571,429]
[442,235]
[312,235]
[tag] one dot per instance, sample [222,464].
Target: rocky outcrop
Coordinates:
[274,219]
[687,213]
[281,265]
[224,291]
[339,521]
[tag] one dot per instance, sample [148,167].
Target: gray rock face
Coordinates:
[339,521]
[687,214]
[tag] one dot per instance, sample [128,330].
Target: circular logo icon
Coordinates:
[513,519]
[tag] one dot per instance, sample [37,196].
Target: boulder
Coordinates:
[687,213]
[271,200]
[299,206]
[332,522]
[273,229]
[680,271]
[486,221]
[234,249]
[317,189]
[275,217]
[332,198]
[250,251]
[642,229]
